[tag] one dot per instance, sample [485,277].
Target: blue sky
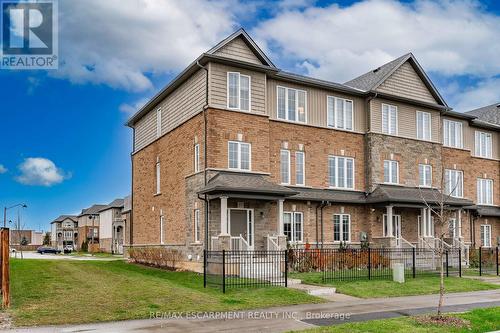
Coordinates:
[64,145]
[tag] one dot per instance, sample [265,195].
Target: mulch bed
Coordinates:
[443,321]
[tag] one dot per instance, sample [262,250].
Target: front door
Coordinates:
[241,224]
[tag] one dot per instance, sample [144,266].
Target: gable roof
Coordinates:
[64,217]
[241,33]
[117,203]
[371,80]
[92,210]
[489,113]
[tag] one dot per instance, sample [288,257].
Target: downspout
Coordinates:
[472,231]
[323,205]
[205,145]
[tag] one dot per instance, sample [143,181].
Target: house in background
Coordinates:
[64,231]
[88,227]
[111,227]
[127,221]
[33,238]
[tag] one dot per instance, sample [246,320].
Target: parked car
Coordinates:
[68,249]
[47,249]
[13,250]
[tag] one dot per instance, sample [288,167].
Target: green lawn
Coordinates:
[62,291]
[481,320]
[421,285]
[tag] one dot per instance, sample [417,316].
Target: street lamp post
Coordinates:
[5,212]
[92,233]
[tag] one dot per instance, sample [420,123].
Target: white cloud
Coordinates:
[120,43]
[130,109]
[339,43]
[3,169]
[484,93]
[40,171]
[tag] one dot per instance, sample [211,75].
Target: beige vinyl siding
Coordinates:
[405,82]
[316,104]
[468,140]
[182,104]
[407,119]
[237,49]
[469,133]
[218,87]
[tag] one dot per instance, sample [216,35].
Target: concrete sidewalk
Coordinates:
[290,317]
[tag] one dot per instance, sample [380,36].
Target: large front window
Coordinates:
[239,155]
[423,125]
[341,172]
[293,223]
[391,172]
[483,144]
[452,133]
[342,228]
[300,168]
[238,91]
[389,119]
[425,175]
[291,104]
[453,183]
[339,113]
[486,235]
[485,191]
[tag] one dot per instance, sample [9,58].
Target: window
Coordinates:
[485,191]
[291,104]
[425,175]
[453,228]
[453,180]
[389,119]
[486,235]
[158,175]
[96,232]
[423,125]
[158,122]
[339,113]
[293,226]
[483,144]
[239,155]
[300,178]
[341,172]
[428,228]
[391,172]
[285,166]
[452,133]
[341,228]
[162,227]
[197,231]
[197,157]
[238,91]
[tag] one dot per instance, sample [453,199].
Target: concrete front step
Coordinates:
[311,289]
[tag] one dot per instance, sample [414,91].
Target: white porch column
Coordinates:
[389,221]
[280,217]
[423,222]
[459,226]
[430,226]
[223,216]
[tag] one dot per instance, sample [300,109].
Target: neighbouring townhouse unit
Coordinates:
[88,227]
[64,231]
[112,227]
[235,153]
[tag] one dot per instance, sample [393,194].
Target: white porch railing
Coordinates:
[439,242]
[272,243]
[405,244]
[238,243]
[464,248]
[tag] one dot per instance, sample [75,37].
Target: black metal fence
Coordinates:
[232,269]
[484,261]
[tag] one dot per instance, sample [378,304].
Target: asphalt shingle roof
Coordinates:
[61,218]
[94,209]
[117,203]
[488,211]
[489,113]
[414,195]
[330,195]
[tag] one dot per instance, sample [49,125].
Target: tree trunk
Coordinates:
[441,281]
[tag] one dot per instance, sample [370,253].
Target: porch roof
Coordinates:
[243,183]
[488,211]
[343,196]
[414,195]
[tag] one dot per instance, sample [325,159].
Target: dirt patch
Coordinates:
[449,321]
[5,320]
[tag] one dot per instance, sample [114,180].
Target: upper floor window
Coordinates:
[197,157]
[339,113]
[454,183]
[341,228]
[341,172]
[389,119]
[300,178]
[423,125]
[425,175]
[285,166]
[158,122]
[486,235]
[485,191]
[391,172]
[238,91]
[291,104]
[158,175]
[483,144]
[452,133]
[239,155]
[293,226]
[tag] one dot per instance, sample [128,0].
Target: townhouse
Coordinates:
[64,231]
[112,227]
[88,227]
[237,154]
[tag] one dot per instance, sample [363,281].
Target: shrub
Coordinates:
[85,246]
[156,256]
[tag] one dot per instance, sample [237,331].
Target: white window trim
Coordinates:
[391,171]
[197,157]
[341,229]
[425,178]
[162,227]
[292,222]
[158,176]
[288,167]
[480,182]
[389,119]
[196,225]
[158,122]
[459,125]
[239,92]
[456,172]
[477,144]
[345,172]
[423,128]
[485,226]
[303,168]
[239,155]
[296,105]
[335,124]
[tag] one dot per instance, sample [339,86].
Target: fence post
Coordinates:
[496,250]
[447,265]
[413,268]
[4,253]
[459,262]
[369,264]
[480,263]
[286,268]
[224,271]
[204,268]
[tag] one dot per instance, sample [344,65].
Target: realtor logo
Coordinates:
[29,35]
